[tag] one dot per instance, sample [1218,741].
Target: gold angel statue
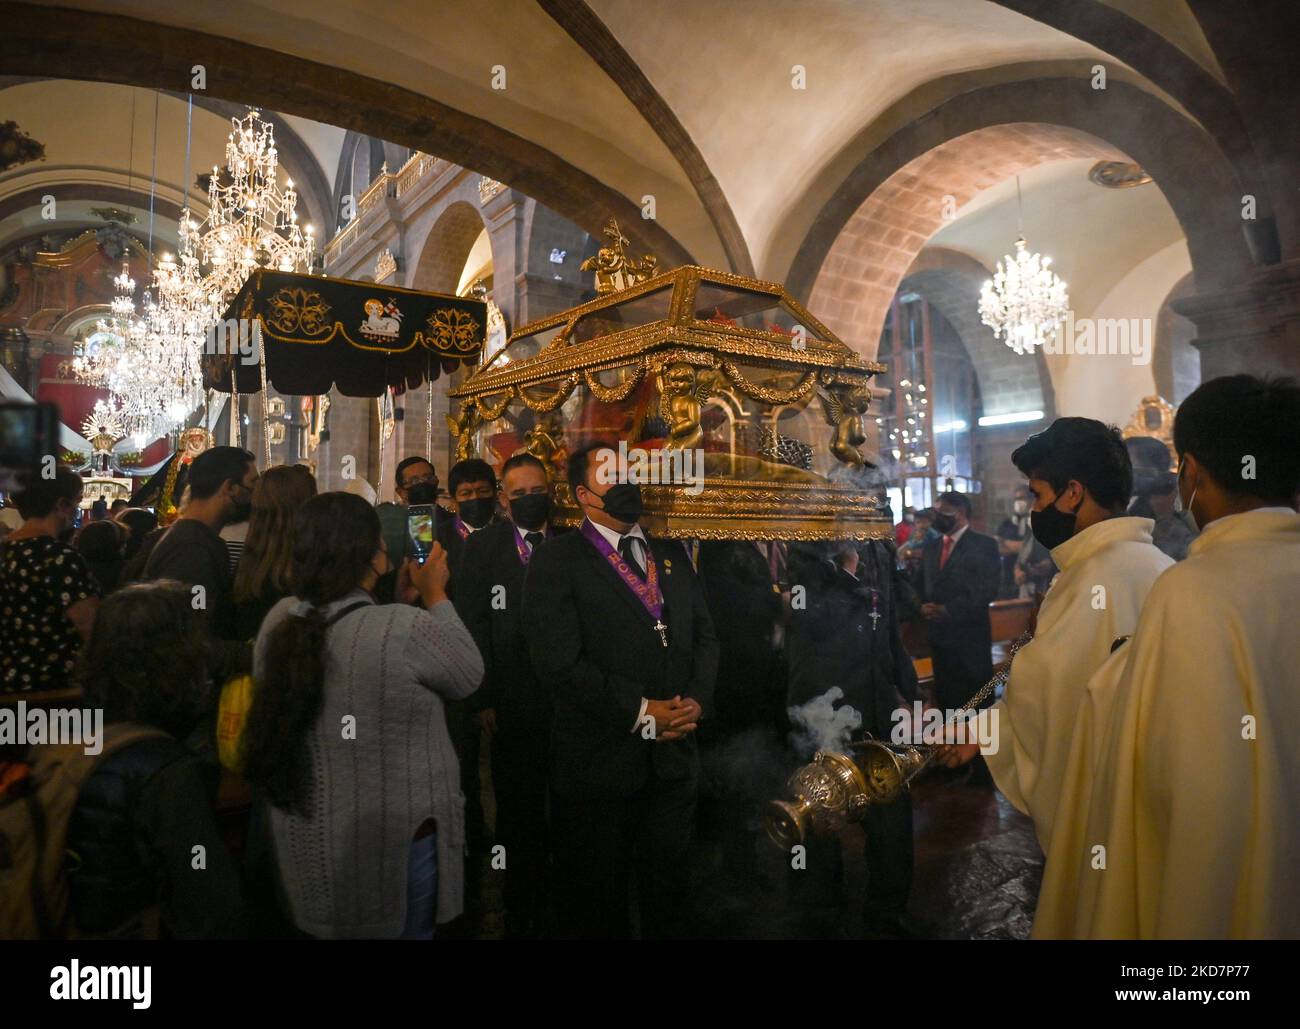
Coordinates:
[844,407]
[463,427]
[683,391]
[614,269]
[545,442]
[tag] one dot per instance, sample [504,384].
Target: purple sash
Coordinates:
[648,591]
[462,530]
[521,545]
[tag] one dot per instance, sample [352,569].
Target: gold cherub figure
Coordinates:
[614,269]
[844,407]
[683,390]
[544,442]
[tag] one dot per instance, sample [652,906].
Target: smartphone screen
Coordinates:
[419,530]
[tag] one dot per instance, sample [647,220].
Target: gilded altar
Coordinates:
[705,370]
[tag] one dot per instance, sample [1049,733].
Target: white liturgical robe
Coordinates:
[1178,815]
[1106,572]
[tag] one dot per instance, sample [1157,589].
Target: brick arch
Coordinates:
[878,245]
[950,281]
[938,150]
[447,246]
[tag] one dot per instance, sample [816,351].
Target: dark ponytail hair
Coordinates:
[337,535]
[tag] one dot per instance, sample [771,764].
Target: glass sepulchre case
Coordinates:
[741,413]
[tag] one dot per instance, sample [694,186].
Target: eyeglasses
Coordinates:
[418,480]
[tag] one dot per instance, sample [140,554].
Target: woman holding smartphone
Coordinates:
[347,737]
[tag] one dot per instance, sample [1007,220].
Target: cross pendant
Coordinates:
[875,617]
[663,632]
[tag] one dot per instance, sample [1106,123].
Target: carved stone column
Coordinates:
[1251,327]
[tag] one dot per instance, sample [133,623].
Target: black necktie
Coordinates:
[533,538]
[629,555]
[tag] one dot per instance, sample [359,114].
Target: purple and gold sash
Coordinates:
[521,544]
[648,591]
[462,530]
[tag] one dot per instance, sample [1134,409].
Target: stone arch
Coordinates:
[445,249]
[885,234]
[950,282]
[162,57]
[977,139]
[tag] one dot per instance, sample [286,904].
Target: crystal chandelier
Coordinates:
[103,352]
[251,223]
[1025,301]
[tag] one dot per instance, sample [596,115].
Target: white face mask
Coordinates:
[1179,506]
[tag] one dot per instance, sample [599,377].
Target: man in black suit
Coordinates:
[619,630]
[848,635]
[512,708]
[473,486]
[959,579]
[741,743]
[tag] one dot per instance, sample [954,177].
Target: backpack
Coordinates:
[35,811]
[237,700]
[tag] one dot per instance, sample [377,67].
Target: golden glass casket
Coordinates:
[742,414]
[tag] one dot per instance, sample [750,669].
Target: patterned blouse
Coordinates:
[40,578]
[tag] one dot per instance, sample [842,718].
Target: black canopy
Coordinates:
[360,337]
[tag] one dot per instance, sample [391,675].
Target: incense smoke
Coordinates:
[820,725]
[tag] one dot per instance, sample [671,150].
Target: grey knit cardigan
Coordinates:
[382,764]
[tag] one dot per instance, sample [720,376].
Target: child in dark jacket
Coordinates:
[146,856]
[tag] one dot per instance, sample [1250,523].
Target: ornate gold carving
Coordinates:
[545,441]
[770,396]
[745,491]
[297,310]
[488,188]
[1154,417]
[683,392]
[452,328]
[487,411]
[614,394]
[463,427]
[614,269]
[385,265]
[844,406]
[551,402]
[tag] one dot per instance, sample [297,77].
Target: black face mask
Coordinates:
[477,512]
[422,493]
[622,502]
[944,523]
[1052,526]
[531,510]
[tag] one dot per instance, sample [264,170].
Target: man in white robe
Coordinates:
[1080,478]
[1180,810]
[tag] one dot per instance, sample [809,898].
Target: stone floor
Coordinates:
[978,869]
